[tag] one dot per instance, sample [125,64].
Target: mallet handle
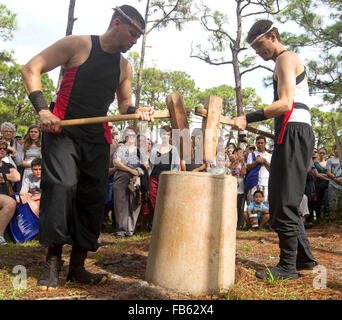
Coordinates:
[159,114]
[223,119]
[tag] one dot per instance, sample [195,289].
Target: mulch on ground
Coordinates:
[125,262]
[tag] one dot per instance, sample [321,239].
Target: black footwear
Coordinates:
[305,259]
[77,272]
[306,265]
[49,279]
[286,268]
[276,273]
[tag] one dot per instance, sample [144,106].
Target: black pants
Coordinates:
[74,183]
[322,199]
[240,209]
[288,171]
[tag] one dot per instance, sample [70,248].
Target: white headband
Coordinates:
[129,19]
[261,35]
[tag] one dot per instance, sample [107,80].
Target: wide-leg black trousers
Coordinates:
[290,161]
[74,182]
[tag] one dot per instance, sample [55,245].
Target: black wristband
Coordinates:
[255,116]
[131,110]
[38,101]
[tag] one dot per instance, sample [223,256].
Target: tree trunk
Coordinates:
[237,73]
[70,26]
[142,58]
[141,66]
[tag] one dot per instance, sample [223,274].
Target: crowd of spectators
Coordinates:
[163,156]
[248,163]
[135,167]
[20,172]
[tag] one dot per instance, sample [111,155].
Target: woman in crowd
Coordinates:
[8,175]
[163,157]
[238,169]
[322,182]
[128,161]
[14,150]
[32,148]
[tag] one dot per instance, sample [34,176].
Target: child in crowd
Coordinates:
[259,208]
[30,191]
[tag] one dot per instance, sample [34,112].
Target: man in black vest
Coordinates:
[292,154]
[76,159]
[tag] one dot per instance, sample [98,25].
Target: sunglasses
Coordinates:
[3,149]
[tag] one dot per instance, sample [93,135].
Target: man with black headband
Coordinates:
[75,159]
[293,149]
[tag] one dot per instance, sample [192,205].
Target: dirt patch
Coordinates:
[125,262]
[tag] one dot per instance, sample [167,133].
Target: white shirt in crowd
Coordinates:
[263,172]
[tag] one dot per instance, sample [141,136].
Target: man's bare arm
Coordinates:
[61,53]
[124,92]
[286,78]
[66,52]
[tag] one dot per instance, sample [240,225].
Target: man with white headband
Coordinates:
[294,142]
[76,159]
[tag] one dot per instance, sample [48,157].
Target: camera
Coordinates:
[241,137]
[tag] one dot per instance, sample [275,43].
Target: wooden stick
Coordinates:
[223,119]
[159,114]
[178,117]
[210,126]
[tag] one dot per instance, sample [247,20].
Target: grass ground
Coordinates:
[125,261]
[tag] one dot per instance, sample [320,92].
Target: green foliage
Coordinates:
[14,104]
[162,13]
[320,23]
[8,23]
[323,134]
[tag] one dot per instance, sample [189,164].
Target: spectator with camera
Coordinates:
[238,170]
[15,153]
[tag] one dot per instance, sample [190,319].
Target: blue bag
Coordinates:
[252,176]
[24,225]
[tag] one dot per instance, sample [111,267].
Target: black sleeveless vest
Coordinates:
[87,91]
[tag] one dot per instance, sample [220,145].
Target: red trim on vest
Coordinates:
[64,93]
[287,116]
[107,133]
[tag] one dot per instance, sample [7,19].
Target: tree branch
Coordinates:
[219,30]
[165,17]
[251,69]
[207,59]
